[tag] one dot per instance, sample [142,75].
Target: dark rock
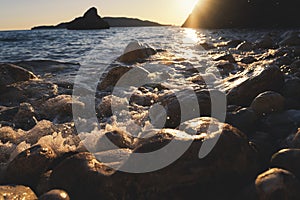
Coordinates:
[7,113]
[242,91]
[84,177]
[291,39]
[244,119]
[143,98]
[34,92]
[207,46]
[293,141]
[229,57]
[248,60]
[55,195]
[11,192]
[266,42]
[211,176]
[109,79]
[90,20]
[233,43]
[136,52]
[280,125]
[245,46]
[291,88]
[29,165]
[128,22]
[25,118]
[243,14]
[277,184]
[268,102]
[184,101]
[226,67]
[10,74]
[288,159]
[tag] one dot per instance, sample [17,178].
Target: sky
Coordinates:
[24,14]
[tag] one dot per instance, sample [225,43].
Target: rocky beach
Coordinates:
[256,155]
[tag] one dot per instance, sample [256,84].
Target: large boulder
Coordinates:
[90,20]
[29,165]
[135,52]
[215,176]
[10,74]
[237,14]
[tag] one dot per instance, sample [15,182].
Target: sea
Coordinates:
[104,46]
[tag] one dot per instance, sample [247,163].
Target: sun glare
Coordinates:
[185,7]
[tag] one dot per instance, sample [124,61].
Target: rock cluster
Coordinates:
[254,154]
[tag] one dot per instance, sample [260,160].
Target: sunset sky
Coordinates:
[24,14]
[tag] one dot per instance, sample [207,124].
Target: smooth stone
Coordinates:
[268,102]
[243,87]
[277,184]
[84,177]
[55,195]
[12,192]
[136,52]
[245,46]
[183,101]
[288,159]
[29,165]
[10,74]
[244,119]
[211,176]
[280,125]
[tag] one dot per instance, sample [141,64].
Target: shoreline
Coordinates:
[260,80]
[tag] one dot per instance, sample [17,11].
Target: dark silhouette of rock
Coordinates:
[128,22]
[244,13]
[111,22]
[90,21]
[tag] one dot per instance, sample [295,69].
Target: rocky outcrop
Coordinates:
[90,21]
[110,21]
[243,13]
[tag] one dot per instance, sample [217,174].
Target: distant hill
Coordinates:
[112,22]
[128,22]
